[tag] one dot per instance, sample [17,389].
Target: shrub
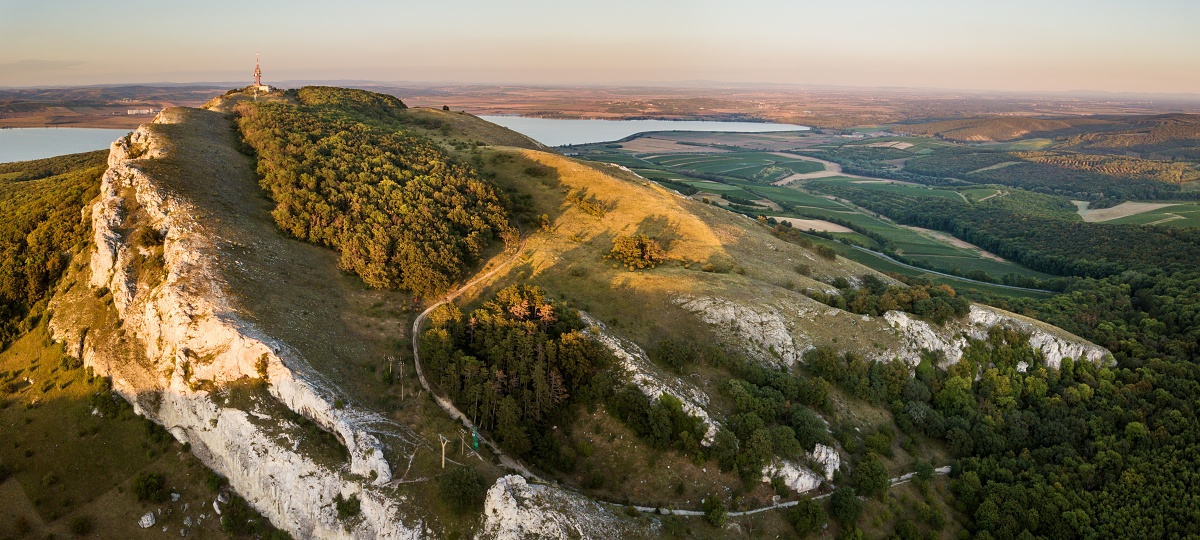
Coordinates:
[463,488]
[80,525]
[214,481]
[806,517]
[637,251]
[845,506]
[714,511]
[347,508]
[150,487]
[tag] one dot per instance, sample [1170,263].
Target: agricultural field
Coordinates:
[742,178]
[759,167]
[893,186]
[1179,215]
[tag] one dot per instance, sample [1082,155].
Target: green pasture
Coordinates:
[1180,215]
[893,187]
[740,168]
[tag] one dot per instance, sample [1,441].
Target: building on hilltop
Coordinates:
[258,86]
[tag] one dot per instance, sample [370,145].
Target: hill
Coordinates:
[618,345]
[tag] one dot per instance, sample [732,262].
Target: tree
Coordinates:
[714,511]
[463,488]
[871,477]
[806,517]
[844,506]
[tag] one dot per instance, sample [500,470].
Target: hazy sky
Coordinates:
[1139,46]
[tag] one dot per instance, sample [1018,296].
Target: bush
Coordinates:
[845,506]
[674,354]
[871,477]
[714,511]
[347,508]
[463,488]
[80,525]
[806,517]
[637,252]
[214,481]
[150,487]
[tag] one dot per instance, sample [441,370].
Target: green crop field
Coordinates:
[1180,215]
[748,174]
[754,166]
[717,187]
[893,187]
[976,194]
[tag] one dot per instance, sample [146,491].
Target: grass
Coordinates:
[71,463]
[893,187]
[1181,215]
[760,167]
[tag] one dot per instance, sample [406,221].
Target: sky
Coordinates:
[1144,46]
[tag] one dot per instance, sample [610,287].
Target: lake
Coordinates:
[22,144]
[557,132]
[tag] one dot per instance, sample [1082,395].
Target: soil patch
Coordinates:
[1124,209]
[813,224]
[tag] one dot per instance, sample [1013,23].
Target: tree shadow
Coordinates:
[660,228]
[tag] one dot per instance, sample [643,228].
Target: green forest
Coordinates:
[1084,451]
[346,170]
[42,227]
[515,364]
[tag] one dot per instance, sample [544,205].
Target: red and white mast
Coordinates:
[257,72]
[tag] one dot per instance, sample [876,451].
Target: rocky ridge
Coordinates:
[782,331]
[194,341]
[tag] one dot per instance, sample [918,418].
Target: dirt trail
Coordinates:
[904,478]
[831,169]
[444,402]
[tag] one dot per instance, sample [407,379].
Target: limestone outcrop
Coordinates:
[781,330]
[189,343]
[516,510]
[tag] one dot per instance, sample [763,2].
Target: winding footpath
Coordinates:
[695,513]
[444,402]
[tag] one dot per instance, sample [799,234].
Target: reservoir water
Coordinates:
[22,144]
[557,132]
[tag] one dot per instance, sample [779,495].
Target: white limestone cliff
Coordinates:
[191,337]
[650,380]
[515,510]
[782,331]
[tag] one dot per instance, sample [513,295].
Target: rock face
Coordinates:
[515,510]
[762,330]
[651,380]
[782,330]
[193,342]
[799,478]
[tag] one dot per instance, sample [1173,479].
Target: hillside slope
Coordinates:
[289,377]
